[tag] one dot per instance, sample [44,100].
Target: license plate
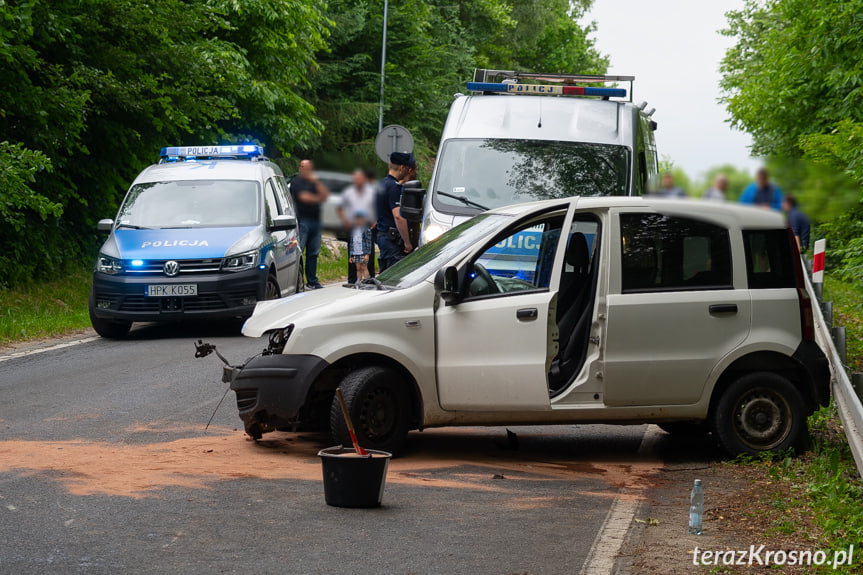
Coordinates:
[171,290]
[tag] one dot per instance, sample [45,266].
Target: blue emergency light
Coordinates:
[544,89]
[189,152]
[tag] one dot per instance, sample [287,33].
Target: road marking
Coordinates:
[18,354]
[612,533]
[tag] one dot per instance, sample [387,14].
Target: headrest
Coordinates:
[577,253]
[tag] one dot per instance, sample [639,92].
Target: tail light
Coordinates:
[807,320]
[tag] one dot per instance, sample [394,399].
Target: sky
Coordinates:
[673,48]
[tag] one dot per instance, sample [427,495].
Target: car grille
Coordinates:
[202,302]
[186,266]
[246,399]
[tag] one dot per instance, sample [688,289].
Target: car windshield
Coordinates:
[432,256]
[486,174]
[191,204]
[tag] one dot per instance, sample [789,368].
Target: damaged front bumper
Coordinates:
[272,389]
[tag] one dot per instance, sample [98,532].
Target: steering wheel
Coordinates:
[486,277]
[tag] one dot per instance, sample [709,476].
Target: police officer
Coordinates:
[393,235]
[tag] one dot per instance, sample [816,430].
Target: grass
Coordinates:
[59,306]
[45,308]
[817,497]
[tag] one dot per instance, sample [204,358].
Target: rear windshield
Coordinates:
[769,259]
[490,173]
[191,204]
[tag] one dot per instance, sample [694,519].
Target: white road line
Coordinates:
[25,353]
[612,533]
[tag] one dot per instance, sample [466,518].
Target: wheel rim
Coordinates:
[762,418]
[272,290]
[379,412]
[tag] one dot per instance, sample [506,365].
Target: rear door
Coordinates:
[673,312]
[494,347]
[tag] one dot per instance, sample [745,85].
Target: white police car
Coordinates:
[205,233]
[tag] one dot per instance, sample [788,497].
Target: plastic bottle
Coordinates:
[696,508]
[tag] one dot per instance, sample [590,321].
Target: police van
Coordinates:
[521,137]
[206,233]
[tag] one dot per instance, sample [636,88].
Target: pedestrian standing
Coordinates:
[797,221]
[718,192]
[669,190]
[393,236]
[361,249]
[309,193]
[762,192]
[357,197]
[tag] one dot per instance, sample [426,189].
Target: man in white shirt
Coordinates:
[358,197]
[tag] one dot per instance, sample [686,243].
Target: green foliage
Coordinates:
[824,193]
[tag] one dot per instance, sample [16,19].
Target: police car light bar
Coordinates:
[545,89]
[187,152]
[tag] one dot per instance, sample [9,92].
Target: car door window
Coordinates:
[284,197]
[520,261]
[270,200]
[668,253]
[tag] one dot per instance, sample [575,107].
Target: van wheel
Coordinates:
[106,327]
[760,412]
[378,403]
[682,428]
[272,291]
[301,282]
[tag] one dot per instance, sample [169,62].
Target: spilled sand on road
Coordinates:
[139,470]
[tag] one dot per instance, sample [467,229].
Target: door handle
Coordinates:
[723,308]
[529,313]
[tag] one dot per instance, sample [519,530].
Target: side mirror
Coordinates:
[413,197]
[283,223]
[105,225]
[446,284]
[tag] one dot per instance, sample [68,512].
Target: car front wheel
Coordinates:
[760,412]
[379,405]
[105,327]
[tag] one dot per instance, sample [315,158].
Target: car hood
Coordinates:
[184,243]
[276,314]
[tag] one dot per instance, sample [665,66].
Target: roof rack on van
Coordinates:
[486,80]
[193,153]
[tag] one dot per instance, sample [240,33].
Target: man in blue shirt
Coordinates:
[762,192]
[797,221]
[393,235]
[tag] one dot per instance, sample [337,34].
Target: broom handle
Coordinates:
[359,450]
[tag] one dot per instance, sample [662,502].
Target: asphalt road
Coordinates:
[105,467]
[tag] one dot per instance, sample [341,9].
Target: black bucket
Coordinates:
[351,480]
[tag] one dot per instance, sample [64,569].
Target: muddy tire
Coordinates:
[272,290]
[378,401]
[104,327]
[760,412]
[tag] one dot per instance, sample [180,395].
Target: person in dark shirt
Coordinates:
[762,192]
[798,221]
[309,193]
[393,237]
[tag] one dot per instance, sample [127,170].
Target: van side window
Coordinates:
[284,196]
[272,204]
[769,259]
[665,253]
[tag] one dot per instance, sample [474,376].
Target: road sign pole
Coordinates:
[383,67]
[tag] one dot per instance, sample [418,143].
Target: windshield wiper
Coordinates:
[131,226]
[464,200]
[371,282]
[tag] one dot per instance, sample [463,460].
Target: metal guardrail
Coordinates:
[847,402]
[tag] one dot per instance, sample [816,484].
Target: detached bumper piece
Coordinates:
[271,389]
[811,357]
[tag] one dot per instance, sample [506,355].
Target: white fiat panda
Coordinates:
[690,315]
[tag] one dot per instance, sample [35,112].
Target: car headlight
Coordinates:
[109,265]
[432,232]
[240,262]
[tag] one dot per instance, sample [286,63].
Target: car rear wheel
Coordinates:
[379,405]
[760,412]
[105,327]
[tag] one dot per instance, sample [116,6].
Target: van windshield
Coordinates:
[490,173]
[191,204]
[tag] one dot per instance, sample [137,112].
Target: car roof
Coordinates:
[744,216]
[207,170]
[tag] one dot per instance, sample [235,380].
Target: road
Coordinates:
[105,467]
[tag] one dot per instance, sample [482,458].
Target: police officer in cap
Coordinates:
[393,236]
